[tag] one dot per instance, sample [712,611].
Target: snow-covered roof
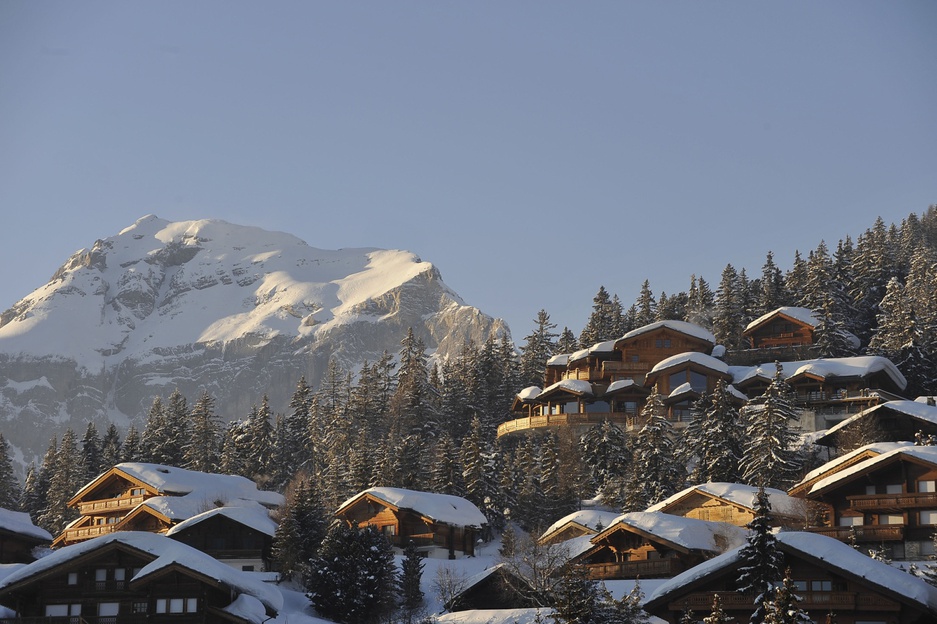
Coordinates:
[819,548]
[678,326]
[693,357]
[739,494]
[496,616]
[690,533]
[621,384]
[588,518]
[179,481]
[166,552]
[529,393]
[804,315]
[923,453]
[576,386]
[600,347]
[919,411]
[453,510]
[857,366]
[572,548]
[877,448]
[20,523]
[684,388]
[560,359]
[254,516]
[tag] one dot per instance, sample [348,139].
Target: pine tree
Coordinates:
[91,453]
[785,607]
[830,335]
[130,450]
[259,450]
[796,280]
[600,326]
[446,470]
[606,452]
[700,303]
[653,457]
[110,447]
[729,313]
[576,597]
[408,583]
[625,611]
[718,616]
[202,450]
[352,578]
[67,477]
[154,434]
[771,295]
[645,305]
[177,429]
[538,347]
[567,342]
[761,558]
[713,437]
[10,493]
[768,458]
[301,528]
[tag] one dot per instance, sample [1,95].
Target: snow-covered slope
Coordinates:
[234,310]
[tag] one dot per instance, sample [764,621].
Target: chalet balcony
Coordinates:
[625,367]
[106,506]
[893,502]
[566,420]
[864,533]
[654,568]
[830,601]
[82,533]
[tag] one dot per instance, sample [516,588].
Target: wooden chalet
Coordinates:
[891,421]
[830,577]
[131,578]
[843,462]
[681,379]
[152,497]
[438,524]
[654,545]
[607,381]
[241,537]
[19,537]
[733,503]
[827,390]
[782,329]
[494,588]
[889,499]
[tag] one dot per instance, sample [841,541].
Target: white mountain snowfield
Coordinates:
[208,305]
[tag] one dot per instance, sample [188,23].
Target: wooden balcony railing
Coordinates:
[559,420]
[831,601]
[864,533]
[616,367]
[83,533]
[893,501]
[659,568]
[108,505]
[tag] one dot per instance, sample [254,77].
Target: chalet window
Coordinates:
[247,568]
[107,612]
[927,486]
[72,578]
[891,519]
[597,407]
[571,408]
[870,489]
[137,492]
[176,605]
[634,358]
[64,610]
[697,381]
[928,516]
[851,521]
[893,488]
[100,578]
[800,586]
[140,607]
[662,343]
[120,574]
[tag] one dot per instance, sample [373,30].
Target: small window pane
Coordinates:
[870,489]
[120,574]
[161,605]
[72,578]
[56,610]
[929,516]
[191,605]
[926,486]
[851,521]
[175,605]
[100,574]
[894,488]
[891,519]
[108,608]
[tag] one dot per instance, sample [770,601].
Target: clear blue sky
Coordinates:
[532,150]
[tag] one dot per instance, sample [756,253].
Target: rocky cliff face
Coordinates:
[207,305]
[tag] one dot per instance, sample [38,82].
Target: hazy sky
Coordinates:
[531,150]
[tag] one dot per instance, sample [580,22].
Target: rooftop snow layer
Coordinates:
[254,516]
[921,411]
[876,447]
[693,357]
[679,326]
[576,386]
[858,366]
[20,523]
[742,495]
[924,453]
[804,315]
[599,347]
[453,510]
[589,518]
[528,393]
[689,533]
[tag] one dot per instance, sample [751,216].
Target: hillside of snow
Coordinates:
[208,305]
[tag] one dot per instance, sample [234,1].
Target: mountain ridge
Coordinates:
[208,305]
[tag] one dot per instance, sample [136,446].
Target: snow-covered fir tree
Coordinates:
[67,477]
[712,440]
[784,607]
[352,579]
[91,452]
[576,597]
[567,342]
[658,473]
[110,447]
[717,615]
[769,458]
[761,558]
[607,453]
[601,323]
[538,347]
[408,582]
[645,307]
[202,452]
[10,493]
[301,527]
